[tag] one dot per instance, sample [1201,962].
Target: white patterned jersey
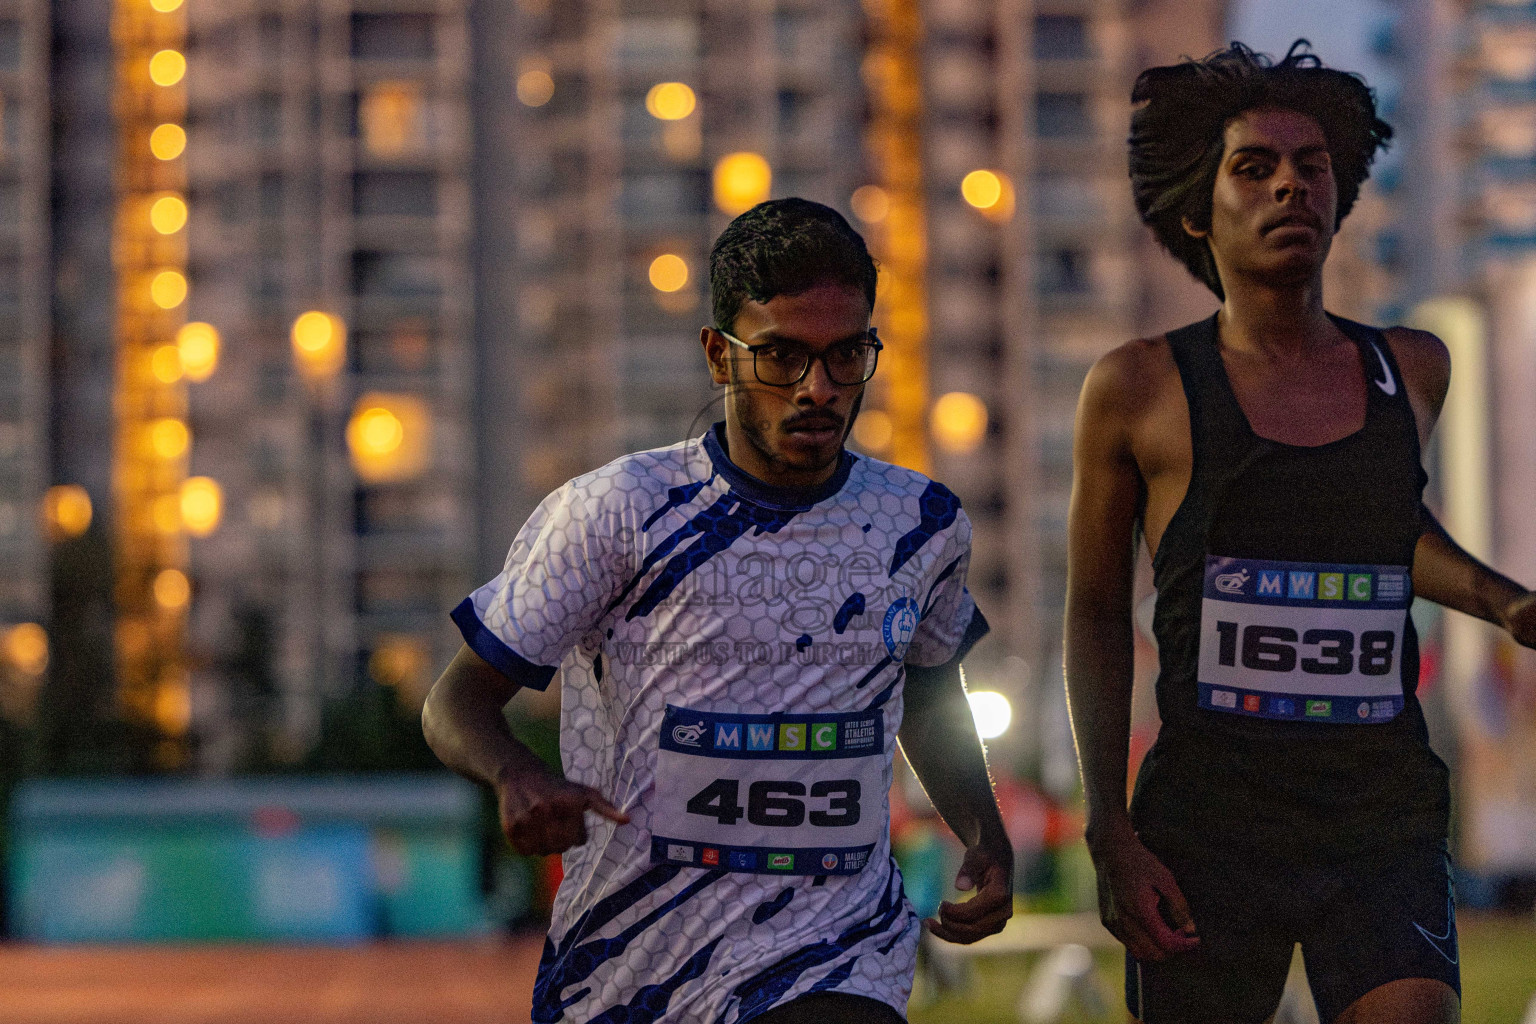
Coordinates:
[731,658]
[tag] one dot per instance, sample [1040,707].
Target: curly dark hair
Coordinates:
[1178,134]
[785,247]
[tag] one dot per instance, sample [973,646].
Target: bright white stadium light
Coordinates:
[991,711]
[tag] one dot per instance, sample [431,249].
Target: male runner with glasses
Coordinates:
[1270,456]
[745,624]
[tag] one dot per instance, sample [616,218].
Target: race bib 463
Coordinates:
[1306,641]
[773,794]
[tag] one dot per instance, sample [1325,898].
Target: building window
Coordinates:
[397,590]
[394,274]
[269,116]
[394,194]
[1063,271]
[1059,196]
[392,37]
[270,192]
[645,41]
[659,197]
[1061,37]
[1062,115]
[10,43]
[270,31]
[389,118]
[406,347]
[10,135]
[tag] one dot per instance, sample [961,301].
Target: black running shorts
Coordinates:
[1361,923]
[831,1008]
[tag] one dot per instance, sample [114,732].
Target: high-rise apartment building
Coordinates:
[639,129]
[25,323]
[1028,291]
[1459,248]
[980,146]
[328,163]
[441,257]
[628,111]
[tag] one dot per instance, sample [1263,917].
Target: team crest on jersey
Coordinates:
[900,623]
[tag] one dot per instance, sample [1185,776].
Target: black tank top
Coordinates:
[1288,659]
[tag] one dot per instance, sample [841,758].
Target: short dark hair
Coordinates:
[1178,133]
[785,247]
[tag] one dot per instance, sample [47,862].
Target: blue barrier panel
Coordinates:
[329,860]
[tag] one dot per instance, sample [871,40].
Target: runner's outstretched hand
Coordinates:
[542,814]
[986,912]
[1139,902]
[1520,619]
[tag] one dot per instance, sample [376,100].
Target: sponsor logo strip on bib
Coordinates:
[770,794]
[1305,641]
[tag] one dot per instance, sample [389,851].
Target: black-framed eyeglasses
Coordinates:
[783,363]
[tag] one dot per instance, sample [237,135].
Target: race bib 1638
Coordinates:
[1304,641]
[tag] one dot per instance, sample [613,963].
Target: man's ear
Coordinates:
[1192,231]
[717,353]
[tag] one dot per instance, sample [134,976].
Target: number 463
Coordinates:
[778,804]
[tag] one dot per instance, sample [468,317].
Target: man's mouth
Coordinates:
[815,429]
[1294,220]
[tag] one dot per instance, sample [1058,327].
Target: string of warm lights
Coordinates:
[157,505]
[895,207]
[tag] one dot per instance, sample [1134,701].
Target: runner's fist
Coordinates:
[1520,618]
[542,814]
[1139,902]
[990,872]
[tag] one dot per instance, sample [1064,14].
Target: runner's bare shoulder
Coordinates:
[1426,365]
[1130,383]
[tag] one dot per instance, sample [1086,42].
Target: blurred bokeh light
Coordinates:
[167,67]
[668,272]
[535,84]
[741,181]
[670,101]
[202,505]
[959,422]
[319,344]
[67,509]
[168,141]
[871,203]
[197,345]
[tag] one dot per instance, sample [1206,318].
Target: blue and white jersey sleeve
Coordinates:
[560,575]
[951,623]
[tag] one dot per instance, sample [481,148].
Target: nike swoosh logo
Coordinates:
[1441,942]
[1388,383]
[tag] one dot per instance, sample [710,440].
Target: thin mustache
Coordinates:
[1309,219]
[812,422]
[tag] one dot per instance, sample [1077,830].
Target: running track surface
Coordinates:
[481,982]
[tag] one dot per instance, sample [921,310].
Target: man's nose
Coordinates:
[1289,184]
[817,387]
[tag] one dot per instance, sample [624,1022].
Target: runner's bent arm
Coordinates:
[1446,574]
[1443,572]
[464,724]
[558,578]
[938,737]
[1106,491]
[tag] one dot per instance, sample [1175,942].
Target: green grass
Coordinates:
[1498,968]
[1498,979]
[995,988]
